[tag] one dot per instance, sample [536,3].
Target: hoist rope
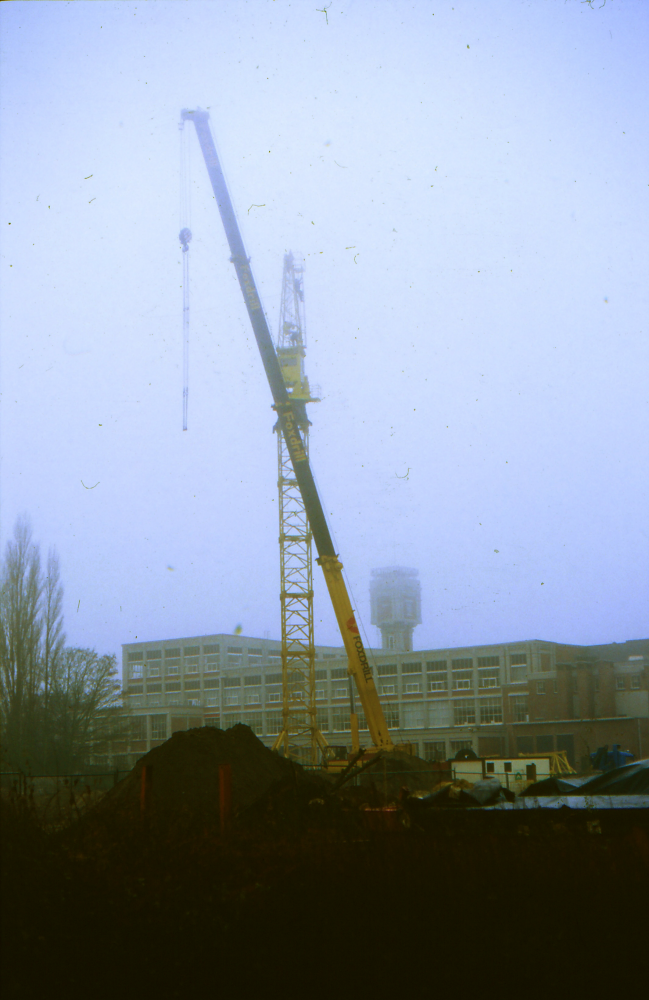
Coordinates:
[185,237]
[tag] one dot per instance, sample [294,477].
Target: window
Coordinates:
[490,767]
[362,723]
[635,681]
[517,674]
[172,654]
[435,751]
[191,650]
[436,665]
[321,675]
[391,643]
[545,660]
[340,673]
[540,687]
[320,694]
[544,744]
[153,688]
[154,654]
[330,656]
[387,670]
[517,658]
[138,727]
[211,682]
[322,720]
[520,710]
[488,678]
[273,679]
[191,665]
[414,687]
[230,720]
[136,671]
[274,696]
[192,685]
[154,701]
[135,657]
[340,692]
[439,714]
[457,745]
[154,671]
[253,681]
[411,668]
[212,720]
[464,713]
[464,663]
[174,700]
[392,717]
[462,680]
[491,711]
[414,716]
[158,727]
[172,686]
[437,681]
[234,698]
[253,698]
[212,701]
[387,688]
[341,721]
[274,658]
[172,666]
[253,719]
[488,661]
[231,682]
[211,650]
[525,744]
[255,652]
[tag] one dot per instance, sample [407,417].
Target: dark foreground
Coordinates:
[476,904]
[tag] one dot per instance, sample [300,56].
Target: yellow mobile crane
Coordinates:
[289,419]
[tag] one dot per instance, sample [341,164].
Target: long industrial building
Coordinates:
[509,698]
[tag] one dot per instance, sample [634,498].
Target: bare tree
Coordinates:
[57,704]
[53,635]
[21,627]
[85,708]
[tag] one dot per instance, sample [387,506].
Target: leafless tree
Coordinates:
[21,627]
[58,705]
[84,708]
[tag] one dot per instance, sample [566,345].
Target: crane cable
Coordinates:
[185,236]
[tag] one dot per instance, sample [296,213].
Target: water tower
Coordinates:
[395,597]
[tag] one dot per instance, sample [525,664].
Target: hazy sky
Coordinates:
[468,184]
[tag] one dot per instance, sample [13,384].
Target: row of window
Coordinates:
[254,655]
[419,715]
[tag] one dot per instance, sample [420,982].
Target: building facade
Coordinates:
[504,699]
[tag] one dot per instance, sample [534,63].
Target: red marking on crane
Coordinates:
[352,626]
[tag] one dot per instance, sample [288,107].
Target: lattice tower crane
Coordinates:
[300,737]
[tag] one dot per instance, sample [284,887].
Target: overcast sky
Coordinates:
[468,184]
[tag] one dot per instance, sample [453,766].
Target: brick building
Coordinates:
[510,698]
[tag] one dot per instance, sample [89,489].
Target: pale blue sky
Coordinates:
[481,347]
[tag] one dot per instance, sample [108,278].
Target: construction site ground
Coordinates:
[303,894]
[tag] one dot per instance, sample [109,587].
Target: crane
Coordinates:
[300,736]
[289,419]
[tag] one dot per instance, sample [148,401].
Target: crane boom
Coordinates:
[359,667]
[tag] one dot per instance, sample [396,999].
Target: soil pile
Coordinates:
[382,780]
[184,774]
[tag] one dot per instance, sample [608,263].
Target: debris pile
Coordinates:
[183,778]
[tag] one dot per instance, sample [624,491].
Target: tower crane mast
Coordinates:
[288,415]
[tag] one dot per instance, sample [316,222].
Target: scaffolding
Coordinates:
[300,737]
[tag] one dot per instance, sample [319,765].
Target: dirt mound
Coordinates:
[381,780]
[185,777]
